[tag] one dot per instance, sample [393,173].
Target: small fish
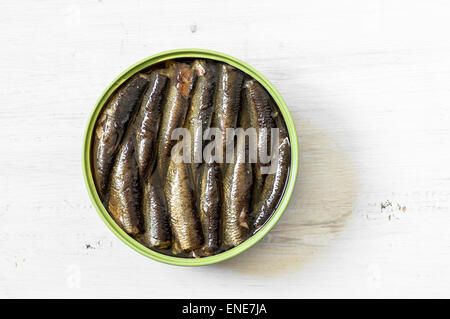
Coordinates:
[227,105]
[155,218]
[111,126]
[174,111]
[210,198]
[237,185]
[273,185]
[124,196]
[256,102]
[147,123]
[258,178]
[201,109]
[181,205]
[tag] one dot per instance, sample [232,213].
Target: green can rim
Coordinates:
[87,170]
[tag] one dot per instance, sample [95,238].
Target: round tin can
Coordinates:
[146,63]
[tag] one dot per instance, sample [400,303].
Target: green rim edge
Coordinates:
[189,53]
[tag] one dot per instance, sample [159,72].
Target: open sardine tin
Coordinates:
[155,62]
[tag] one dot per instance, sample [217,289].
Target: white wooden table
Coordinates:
[367,82]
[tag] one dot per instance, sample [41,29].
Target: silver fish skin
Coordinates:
[256,101]
[210,198]
[124,195]
[237,184]
[111,126]
[200,112]
[147,123]
[155,218]
[182,208]
[274,185]
[175,106]
[227,105]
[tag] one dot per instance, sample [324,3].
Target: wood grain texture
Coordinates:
[367,83]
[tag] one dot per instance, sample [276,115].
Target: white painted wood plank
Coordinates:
[367,83]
